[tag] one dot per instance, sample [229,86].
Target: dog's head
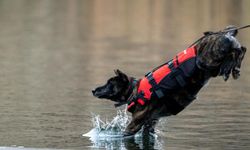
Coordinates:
[114,89]
[221,53]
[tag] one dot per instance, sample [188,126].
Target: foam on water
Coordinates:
[112,129]
[109,134]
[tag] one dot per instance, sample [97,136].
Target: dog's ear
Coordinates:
[118,72]
[122,75]
[243,51]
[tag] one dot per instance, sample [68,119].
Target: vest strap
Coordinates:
[155,87]
[177,61]
[176,72]
[141,99]
[180,80]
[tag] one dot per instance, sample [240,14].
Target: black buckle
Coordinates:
[150,76]
[171,64]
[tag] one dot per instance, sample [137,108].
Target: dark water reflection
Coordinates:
[54,52]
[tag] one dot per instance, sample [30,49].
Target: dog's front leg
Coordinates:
[139,118]
[153,119]
[149,126]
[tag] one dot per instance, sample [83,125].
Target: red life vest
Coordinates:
[149,83]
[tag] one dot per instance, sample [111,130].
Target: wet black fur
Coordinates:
[217,55]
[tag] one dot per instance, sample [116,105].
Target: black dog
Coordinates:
[169,88]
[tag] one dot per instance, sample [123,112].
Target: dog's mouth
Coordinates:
[100,92]
[97,94]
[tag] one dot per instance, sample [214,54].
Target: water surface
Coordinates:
[54,52]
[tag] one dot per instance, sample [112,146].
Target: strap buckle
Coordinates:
[171,65]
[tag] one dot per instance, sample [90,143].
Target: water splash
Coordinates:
[109,134]
[113,129]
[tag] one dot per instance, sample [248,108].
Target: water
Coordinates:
[53,53]
[108,134]
[113,129]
